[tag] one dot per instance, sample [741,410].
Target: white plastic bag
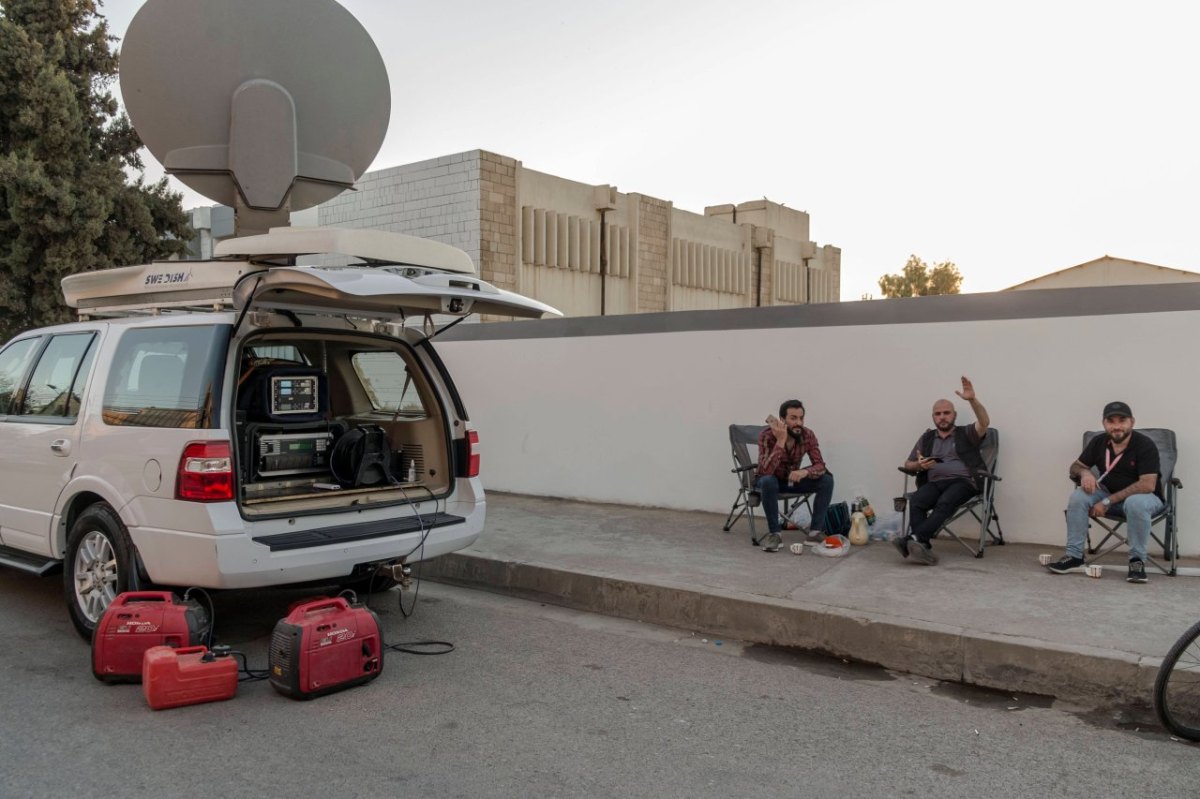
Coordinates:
[801,517]
[834,546]
[886,527]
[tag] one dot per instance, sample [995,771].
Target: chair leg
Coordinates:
[984,518]
[998,536]
[959,512]
[734,514]
[803,499]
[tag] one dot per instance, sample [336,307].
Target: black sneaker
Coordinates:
[900,542]
[921,553]
[1066,565]
[1137,572]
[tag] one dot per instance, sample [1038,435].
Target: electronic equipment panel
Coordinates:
[293,453]
[294,395]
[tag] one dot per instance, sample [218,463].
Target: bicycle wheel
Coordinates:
[1177,687]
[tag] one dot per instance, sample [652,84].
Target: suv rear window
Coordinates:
[389,385]
[166,377]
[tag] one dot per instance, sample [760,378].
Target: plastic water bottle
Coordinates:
[412,471]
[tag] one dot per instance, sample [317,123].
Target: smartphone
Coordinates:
[935,460]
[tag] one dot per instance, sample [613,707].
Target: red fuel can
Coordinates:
[138,620]
[324,646]
[187,676]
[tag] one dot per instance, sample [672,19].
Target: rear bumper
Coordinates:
[241,559]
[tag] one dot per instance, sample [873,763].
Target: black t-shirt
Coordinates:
[1140,457]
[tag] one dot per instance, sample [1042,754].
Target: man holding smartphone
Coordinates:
[945,460]
[781,448]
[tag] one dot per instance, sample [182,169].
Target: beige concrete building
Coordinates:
[1108,271]
[591,250]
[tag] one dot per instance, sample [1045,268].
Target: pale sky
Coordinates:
[1014,139]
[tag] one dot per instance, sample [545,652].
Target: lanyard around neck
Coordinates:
[1110,461]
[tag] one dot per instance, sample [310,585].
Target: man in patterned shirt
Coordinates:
[781,448]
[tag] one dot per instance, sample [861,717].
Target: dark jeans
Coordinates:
[934,502]
[769,489]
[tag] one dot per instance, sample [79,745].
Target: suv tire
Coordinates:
[97,566]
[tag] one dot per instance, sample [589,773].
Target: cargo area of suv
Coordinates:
[325,421]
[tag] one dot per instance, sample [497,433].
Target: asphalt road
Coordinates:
[540,701]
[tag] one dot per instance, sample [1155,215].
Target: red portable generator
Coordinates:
[323,646]
[187,676]
[138,620]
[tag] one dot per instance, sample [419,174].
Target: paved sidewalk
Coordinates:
[1000,621]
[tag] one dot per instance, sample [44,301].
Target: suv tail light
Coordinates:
[472,453]
[205,472]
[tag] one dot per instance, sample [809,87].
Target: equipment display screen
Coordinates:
[294,395]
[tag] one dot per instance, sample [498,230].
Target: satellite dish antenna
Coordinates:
[269,106]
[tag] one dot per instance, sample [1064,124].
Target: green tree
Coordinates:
[918,280]
[67,203]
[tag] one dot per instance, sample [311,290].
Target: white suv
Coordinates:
[297,430]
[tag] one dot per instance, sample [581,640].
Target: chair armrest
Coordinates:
[1175,482]
[988,475]
[909,472]
[740,469]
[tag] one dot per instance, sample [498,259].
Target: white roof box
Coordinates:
[165,284]
[402,276]
[372,246]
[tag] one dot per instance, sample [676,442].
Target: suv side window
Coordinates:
[166,377]
[57,382]
[388,383]
[14,361]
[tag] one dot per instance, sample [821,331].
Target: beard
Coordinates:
[796,434]
[944,426]
[1117,436]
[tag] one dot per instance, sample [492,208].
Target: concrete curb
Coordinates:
[1088,675]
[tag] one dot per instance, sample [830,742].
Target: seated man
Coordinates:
[945,460]
[1130,475]
[781,447]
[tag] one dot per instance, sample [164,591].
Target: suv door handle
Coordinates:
[60,446]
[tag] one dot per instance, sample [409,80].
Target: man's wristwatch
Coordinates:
[1105,502]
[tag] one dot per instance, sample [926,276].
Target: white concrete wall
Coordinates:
[642,418]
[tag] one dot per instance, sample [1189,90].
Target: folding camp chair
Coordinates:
[1114,520]
[982,506]
[743,440]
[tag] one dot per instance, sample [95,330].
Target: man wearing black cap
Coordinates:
[1128,481]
